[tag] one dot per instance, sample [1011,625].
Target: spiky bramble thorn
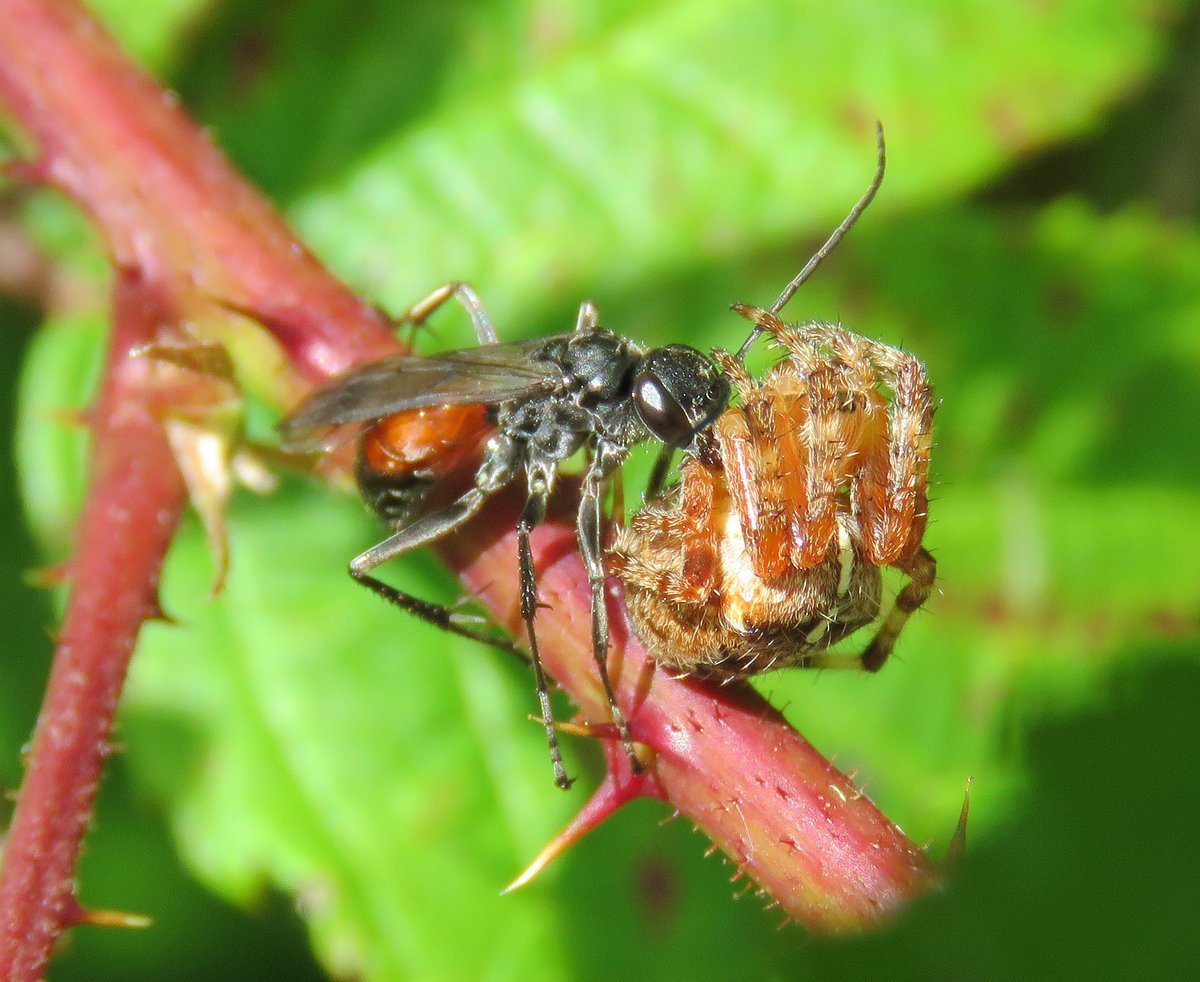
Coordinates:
[106,918]
[958,842]
[619,786]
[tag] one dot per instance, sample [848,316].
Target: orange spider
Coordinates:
[768,550]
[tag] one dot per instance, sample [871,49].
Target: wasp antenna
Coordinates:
[832,242]
[848,222]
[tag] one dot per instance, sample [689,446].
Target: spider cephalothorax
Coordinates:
[769,548]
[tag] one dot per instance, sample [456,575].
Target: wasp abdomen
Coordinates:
[404,457]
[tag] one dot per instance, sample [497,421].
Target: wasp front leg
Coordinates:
[588,531]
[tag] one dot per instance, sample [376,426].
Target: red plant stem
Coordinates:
[192,239]
[127,525]
[189,238]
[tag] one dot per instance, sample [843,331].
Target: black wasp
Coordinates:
[532,404]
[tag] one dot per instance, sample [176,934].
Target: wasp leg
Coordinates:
[421,532]
[541,481]
[588,318]
[418,534]
[437,615]
[590,547]
[423,309]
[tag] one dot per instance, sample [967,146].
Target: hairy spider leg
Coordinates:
[891,491]
[921,570]
[695,523]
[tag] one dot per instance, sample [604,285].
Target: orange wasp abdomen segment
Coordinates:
[424,442]
[405,457]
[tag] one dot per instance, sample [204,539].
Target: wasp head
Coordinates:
[678,392]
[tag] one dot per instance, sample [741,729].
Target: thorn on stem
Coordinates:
[958,842]
[49,577]
[114,918]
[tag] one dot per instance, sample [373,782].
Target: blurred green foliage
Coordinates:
[1035,243]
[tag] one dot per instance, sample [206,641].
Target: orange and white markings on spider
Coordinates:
[769,549]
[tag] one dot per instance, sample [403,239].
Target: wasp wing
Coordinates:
[484,375]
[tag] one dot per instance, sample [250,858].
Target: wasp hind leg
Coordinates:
[438,615]
[421,533]
[540,483]
[423,309]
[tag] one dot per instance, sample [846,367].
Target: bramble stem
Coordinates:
[189,239]
[127,525]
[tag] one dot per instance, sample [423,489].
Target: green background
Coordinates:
[313,784]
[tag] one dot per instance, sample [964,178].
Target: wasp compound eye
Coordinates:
[663,416]
[678,391]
